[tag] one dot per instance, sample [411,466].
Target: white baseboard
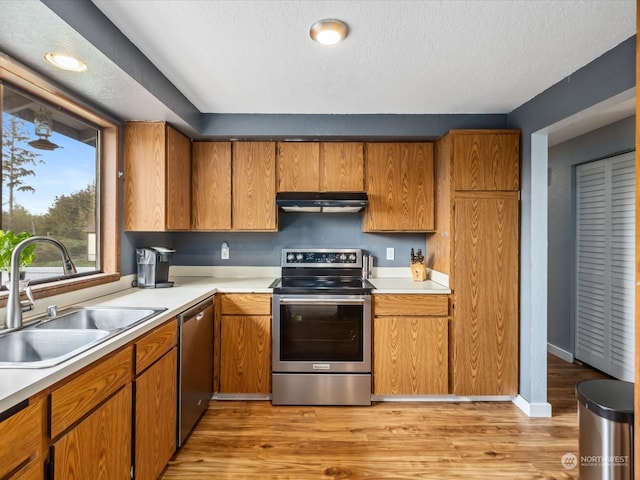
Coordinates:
[560,353]
[538,410]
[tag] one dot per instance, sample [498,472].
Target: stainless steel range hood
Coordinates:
[322,202]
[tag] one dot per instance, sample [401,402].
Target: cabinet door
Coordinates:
[99,447]
[157,178]
[178,188]
[22,437]
[486,161]
[155,417]
[211,186]
[245,355]
[82,394]
[399,183]
[254,186]
[145,176]
[485,322]
[298,166]
[410,356]
[341,167]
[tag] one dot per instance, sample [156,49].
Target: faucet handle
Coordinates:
[29,294]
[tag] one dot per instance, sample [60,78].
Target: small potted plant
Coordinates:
[8,241]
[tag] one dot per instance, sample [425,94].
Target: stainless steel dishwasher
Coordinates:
[195,365]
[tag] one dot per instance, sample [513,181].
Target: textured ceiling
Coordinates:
[400,57]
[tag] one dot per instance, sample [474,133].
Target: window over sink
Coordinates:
[59,179]
[50,163]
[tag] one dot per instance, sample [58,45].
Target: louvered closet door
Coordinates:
[605,226]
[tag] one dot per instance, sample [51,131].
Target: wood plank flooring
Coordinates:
[480,440]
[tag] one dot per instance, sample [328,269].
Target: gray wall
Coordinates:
[607,76]
[264,249]
[610,140]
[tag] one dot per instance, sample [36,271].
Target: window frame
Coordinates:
[107,178]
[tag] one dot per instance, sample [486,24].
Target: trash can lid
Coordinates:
[610,399]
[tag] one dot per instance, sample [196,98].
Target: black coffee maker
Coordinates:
[153,267]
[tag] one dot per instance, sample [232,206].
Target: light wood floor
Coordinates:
[482,440]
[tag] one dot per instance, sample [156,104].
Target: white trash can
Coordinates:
[605,426]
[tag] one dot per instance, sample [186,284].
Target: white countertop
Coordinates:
[17,385]
[405,285]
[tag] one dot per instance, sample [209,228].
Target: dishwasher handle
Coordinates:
[196,312]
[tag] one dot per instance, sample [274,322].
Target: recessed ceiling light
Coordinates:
[66,62]
[329,31]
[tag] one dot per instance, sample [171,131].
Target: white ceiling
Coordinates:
[401,57]
[413,57]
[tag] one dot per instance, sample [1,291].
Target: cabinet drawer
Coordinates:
[78,397]
[411,304]
[246,304]
[155,344]
[21,443]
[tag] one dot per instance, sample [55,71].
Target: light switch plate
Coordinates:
[390,253]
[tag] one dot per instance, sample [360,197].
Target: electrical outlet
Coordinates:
[390,253]
[224,251]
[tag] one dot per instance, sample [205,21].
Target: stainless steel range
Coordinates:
[321,329]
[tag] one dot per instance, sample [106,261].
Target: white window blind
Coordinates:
[605,265]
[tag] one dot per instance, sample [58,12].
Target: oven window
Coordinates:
[321,333]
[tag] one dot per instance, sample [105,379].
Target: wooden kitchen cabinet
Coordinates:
[485,161]
[21,449]
[90,419]
[399,180]
[245,344]
[320,166]
[99,447]
[155,401]
[211,186]
[298,166]
[485,323]
[254,186]
[410,345]
[477,245]
[157,178]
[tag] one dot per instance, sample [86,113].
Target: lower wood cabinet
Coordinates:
[410,345]
[22,442]
[99,447]
[245,343]
[155,402]
[91,422]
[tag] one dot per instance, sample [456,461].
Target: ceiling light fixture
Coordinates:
[329,31]
[65,62]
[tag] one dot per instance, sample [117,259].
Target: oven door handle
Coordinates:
[323,301]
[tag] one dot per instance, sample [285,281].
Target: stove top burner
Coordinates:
[322,271]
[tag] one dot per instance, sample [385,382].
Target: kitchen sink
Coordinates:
[100,318]
[31,348]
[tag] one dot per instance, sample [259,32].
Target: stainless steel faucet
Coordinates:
[14,307]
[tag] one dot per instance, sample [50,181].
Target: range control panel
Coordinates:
[343,257]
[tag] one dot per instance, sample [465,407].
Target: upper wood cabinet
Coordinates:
[320,166]
[485,160]
[254,186]
[400,185]
[157,178]
[211,186]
